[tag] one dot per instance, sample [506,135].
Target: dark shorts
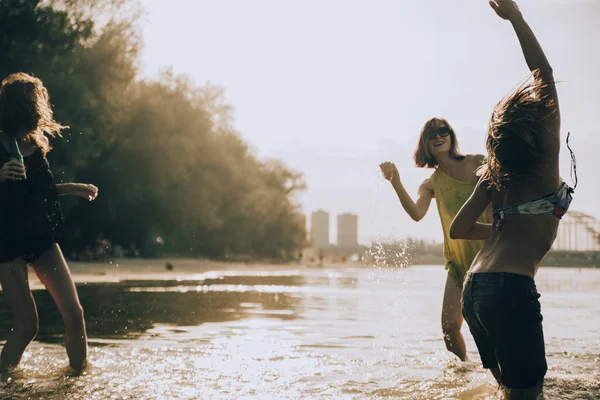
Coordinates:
[504,316]
[29,249]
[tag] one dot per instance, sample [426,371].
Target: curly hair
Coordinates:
[513,137]
[25,110]
[422,156]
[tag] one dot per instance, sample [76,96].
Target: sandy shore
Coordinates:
[156,268]
[183,268]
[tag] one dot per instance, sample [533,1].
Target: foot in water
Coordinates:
[71,371]
[461,367]
[8,370]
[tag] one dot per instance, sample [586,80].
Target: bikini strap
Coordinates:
[573,165]
[499,213]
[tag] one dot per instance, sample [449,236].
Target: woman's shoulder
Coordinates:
[478,159]
[476,163]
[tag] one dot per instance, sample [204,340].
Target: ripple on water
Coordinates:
[304,334]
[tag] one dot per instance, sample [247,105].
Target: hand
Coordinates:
[506,9]
[85,190]
[12,171]
[390,172]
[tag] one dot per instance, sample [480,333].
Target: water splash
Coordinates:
[388,259]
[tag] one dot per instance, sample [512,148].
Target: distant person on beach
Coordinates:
[451,184]
[522,183]
[31,221]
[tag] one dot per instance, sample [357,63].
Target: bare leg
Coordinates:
[452,319]
[15,286]
[53,272]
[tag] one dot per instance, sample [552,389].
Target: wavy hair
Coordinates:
[513,137]
[25,110]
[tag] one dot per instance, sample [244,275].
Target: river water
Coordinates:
[362,333]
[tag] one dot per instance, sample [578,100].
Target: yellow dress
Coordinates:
[450,195]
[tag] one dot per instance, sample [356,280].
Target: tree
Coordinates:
[165,154]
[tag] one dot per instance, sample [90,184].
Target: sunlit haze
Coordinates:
[335,87]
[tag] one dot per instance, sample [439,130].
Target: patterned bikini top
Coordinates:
[556,203]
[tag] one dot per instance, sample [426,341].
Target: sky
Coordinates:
[335,87]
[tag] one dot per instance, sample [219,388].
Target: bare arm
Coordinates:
[64,188]
[465,225]
[534,55]
[481,160]
[84,190]
[489,213]
[536,60]
[415,209]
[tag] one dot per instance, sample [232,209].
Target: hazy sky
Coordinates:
[334,87]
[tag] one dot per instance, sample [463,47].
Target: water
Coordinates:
[303,334]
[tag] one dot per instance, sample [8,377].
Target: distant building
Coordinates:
[319,229]
[303,219]
[347,231]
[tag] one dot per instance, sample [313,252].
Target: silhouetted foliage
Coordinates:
[174,175]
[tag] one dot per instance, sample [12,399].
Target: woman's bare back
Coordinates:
[522,240]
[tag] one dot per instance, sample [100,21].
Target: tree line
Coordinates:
[175,177]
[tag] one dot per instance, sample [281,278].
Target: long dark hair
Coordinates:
[423,158]
[513,138]
[25,110]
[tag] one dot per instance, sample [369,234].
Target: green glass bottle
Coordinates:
[15,153]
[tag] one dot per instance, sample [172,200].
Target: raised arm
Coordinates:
[537,63]
[416,210]
[534,55]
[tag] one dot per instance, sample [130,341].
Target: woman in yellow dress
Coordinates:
[452,182]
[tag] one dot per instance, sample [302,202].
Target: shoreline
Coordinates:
[157,266]
[140,269]
[154,269]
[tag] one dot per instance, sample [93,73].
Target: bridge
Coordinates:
[578,231]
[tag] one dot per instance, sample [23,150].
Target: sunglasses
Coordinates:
[442,131]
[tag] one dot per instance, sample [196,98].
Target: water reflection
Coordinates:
[302,334]
[130,308]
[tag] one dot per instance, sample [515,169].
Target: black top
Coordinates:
[29,209]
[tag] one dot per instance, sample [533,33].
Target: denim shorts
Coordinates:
[504,316]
